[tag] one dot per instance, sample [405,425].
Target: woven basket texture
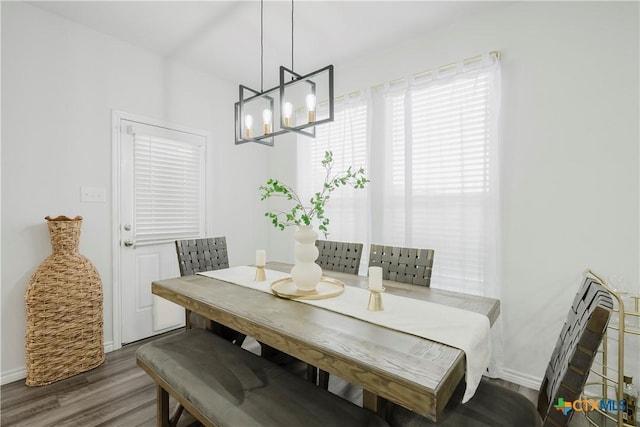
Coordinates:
[64,298]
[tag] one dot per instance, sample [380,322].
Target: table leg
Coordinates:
[187,320]
[323,379]
[312,374]
[375,403]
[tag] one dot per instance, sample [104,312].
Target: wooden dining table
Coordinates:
[389,365]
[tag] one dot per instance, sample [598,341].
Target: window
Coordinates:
[439,191]
[429,146]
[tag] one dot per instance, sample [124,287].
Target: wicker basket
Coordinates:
[64,334]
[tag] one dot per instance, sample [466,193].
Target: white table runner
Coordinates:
[465,330]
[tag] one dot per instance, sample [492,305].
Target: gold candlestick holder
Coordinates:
[375,300]
[260,274]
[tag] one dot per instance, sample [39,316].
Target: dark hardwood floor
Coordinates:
[118,393]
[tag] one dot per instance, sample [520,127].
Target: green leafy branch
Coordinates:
[301,214]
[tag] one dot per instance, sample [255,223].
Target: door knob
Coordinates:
[128,243]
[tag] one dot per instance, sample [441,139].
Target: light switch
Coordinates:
[93,194]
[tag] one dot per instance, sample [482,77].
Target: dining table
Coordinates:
[390,365]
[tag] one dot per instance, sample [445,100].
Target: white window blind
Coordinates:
[439,170]
[169,193]
[450,127]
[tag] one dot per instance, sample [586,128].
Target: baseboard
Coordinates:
[519,378]
[21,373]
[14,375]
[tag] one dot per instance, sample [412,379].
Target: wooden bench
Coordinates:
[221,384]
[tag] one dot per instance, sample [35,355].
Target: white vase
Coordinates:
[306,274]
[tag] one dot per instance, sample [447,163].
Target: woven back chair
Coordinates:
[339,256]
[565,377]
[405,265]
[195,256]
[575,350]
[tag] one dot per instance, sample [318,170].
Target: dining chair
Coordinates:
[339,256]
[564,379]
[407,265]
[198,255]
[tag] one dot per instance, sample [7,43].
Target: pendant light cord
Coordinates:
[261,45]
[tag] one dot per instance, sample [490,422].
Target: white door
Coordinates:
[161,199]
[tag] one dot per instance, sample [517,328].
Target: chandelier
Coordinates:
[299,103]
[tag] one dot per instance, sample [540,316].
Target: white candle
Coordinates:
[375,278]
[261,257]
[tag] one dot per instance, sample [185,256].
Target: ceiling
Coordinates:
[223,37]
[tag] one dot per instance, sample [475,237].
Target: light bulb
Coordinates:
[311,102]
[266,118]
[311,107]
[248,124]
[287,112]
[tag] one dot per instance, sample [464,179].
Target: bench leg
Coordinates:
[173,421]
[162,407]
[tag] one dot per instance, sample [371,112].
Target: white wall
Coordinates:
[570,158]
[60,82]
